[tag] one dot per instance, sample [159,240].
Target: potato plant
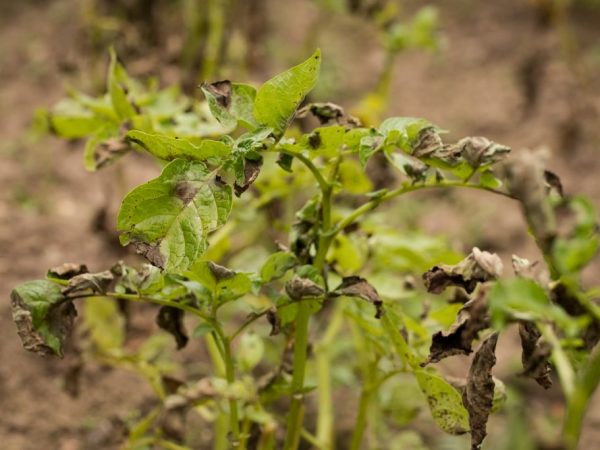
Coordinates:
[335,307]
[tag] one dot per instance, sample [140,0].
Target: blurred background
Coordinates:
[524,73]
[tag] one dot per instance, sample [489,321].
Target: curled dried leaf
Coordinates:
[478,267]
[530,270]
[170,319]
[298,288]
[472,318]
[328,113]
[479,151]
[355,286]
[251,171]
[478,396]
[535,354]
[275,321]
[95,282]
[67,271]
[553,182]
[428,144]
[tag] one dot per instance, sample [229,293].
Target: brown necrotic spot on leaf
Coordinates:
[355,286]
[221,90]
[219,272]
[478,396]
[67,271]
[151,252]
[458,340]
[478,267]
[171,319]
[298,288]
[185,191]
[95,282]
[251,171]
[535,355]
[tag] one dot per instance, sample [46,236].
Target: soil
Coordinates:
[501,74]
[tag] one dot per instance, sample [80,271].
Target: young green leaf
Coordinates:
[168,219]
[277,265]
[277,100]
[231,103]
[168,148]
[42,317]
[225,284]
[118,94]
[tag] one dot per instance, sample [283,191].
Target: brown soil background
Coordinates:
[48,202]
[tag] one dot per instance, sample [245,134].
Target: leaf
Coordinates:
[74,126]
[535,355]
[102,150]
[42,316]
[98,283]
[298,288]
[479,151]
[169,148]
[203,329]
[231,103]
[355,286]
[471,319]
[277,265]
[225,284]
[170,319]
[66,271]
[251,351]
[476,268]
[478,396]
[444,402]
[168,219]
[328,114]
[277,100]
[251,171]
[105,324]
[116,88]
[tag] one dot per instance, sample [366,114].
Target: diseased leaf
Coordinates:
[95,282]
[251,171]
[329,114]
[478,396]
[536,354]
[277,100]
[479,151]
[356,286]
[66,271]
[43,316]
[471,319]
[277,265]
[168,219]
[170,319]
[478,267]
[444,402]
[102,150]
[231,103]
[298,288]
[225,284]
[169,148]
[274,321]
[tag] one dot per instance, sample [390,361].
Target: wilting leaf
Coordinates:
[329,113]
[478,396]
[95,282]
[471,319]
[478,267]
[231,103]
[535,355]
[553,182]
[359,287]
[277,265]
[171,319]
[251,171]
[169,148]
[168,219]
[102,150]
[277,100]
[43,317]
[298,288]
[274,321]
[66,271]
[479,151]
[444,402]
[225,284]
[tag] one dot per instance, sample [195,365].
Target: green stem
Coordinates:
[361,418]
[560,360]
[366,207]
[578,403]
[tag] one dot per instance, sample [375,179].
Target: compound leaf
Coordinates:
[168,219]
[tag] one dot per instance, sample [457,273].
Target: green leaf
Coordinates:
[324,141]
[42,316]
[168,219]
[403,131]
[277,100]
[231,103]
[445,403]
[225,284]
[168,148]
[277,265]
[104,323]
[74,127]
[116,80]
[251,351]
